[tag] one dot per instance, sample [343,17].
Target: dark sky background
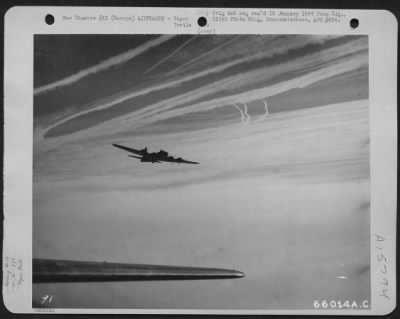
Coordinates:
[279,124]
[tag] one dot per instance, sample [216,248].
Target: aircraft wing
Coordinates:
[128,149]
[178,160]
[182,161]
[56,270]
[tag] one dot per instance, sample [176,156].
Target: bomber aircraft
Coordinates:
[156,157]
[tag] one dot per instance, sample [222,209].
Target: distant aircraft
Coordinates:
[157,157]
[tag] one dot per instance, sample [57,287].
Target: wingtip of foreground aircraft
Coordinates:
[238,274]
[55,270]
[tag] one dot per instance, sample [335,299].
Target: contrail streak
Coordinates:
[246,112]
[301,63]
[165,107]
[240,110]
[115,60]
[162,110]
[256,94]
[266,108]
[170,55]
[204,54]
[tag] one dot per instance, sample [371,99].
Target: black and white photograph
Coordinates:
[201,171]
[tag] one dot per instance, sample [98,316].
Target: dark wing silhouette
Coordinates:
[131,150]
[56,270]
[178,160]
[182,161]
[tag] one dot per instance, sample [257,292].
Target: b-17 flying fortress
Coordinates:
[155,157]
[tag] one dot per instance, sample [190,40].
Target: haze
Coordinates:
[280,127]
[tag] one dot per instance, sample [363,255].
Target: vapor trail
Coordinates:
[162,110]
[266,109]
[204,54]
[253,95]
[170,55]
[328,54]
[350,63]
[246,112]
[115,60]
[240,110]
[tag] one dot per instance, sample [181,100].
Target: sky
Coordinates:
[280,127]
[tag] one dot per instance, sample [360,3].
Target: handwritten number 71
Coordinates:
[47,298]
